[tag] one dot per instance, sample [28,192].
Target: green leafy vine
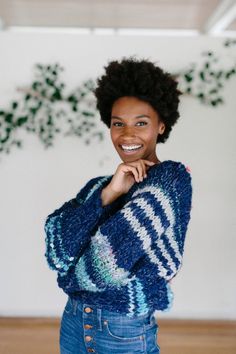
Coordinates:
[205,80]
[45,109]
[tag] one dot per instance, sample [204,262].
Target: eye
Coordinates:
[145,123]
[142,122]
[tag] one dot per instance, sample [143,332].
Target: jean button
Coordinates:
[88,309]
[91,350]
[87,326]
[88,338]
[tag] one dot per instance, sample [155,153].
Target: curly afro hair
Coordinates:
[143,80]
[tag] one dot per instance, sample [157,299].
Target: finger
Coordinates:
[140,171]
[143,168]
[140,167]
[134,171]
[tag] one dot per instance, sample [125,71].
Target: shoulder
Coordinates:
[169,170]
[173,180]
[170,166]
[172,177]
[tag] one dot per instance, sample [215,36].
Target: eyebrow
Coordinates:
[140,116]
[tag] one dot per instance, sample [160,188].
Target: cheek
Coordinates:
[113,137]
[114,134]
[149,136]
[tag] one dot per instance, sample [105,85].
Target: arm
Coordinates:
[68,229]
[150,230]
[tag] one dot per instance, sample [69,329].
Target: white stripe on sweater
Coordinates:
[144,237]
[160,197]
[157,225]
[164,201]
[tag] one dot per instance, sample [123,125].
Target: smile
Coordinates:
[130,149]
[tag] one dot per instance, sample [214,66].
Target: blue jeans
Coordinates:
[88,329]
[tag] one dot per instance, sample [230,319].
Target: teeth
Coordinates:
[124,147]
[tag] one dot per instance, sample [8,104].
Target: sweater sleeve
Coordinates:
[152,225]
[68,229]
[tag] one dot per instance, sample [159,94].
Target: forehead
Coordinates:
[131,104]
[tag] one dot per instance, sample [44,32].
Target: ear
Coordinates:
[162,128]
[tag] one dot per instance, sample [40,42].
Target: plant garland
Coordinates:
[205,80]
[45,109]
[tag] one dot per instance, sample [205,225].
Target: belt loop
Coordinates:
[99,319]
[75,305]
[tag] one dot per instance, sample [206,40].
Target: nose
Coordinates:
[128,131]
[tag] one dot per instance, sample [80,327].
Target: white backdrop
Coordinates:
[34,181]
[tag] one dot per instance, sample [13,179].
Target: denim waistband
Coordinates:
[79,305]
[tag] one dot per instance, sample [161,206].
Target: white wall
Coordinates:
[34,181]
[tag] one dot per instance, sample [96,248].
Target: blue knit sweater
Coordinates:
[122,256]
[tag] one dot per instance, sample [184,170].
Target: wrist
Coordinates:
[108,195]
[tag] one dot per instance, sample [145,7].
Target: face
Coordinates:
[134,123]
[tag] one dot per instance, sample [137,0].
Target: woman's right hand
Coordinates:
[127,173]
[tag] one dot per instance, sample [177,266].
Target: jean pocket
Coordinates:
[124,331]
[151,340]
[69,306]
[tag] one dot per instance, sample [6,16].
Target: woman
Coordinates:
[120,241]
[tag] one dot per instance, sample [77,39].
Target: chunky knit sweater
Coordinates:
[122,256]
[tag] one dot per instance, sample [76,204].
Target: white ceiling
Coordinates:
[209,16]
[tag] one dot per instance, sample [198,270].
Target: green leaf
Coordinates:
[9,117]
[215,90]
[201,96]
[21,120]
[33,110]
[220,100]
[57,95]
[35,85]
[14,105]
[87,114]
[72,98]
[27,97]
[19,143]
[219,74]
[49,82]
[188,77]
[39,66]
[202,76]
[214,103]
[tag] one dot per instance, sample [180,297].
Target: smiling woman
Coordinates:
[120,241]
